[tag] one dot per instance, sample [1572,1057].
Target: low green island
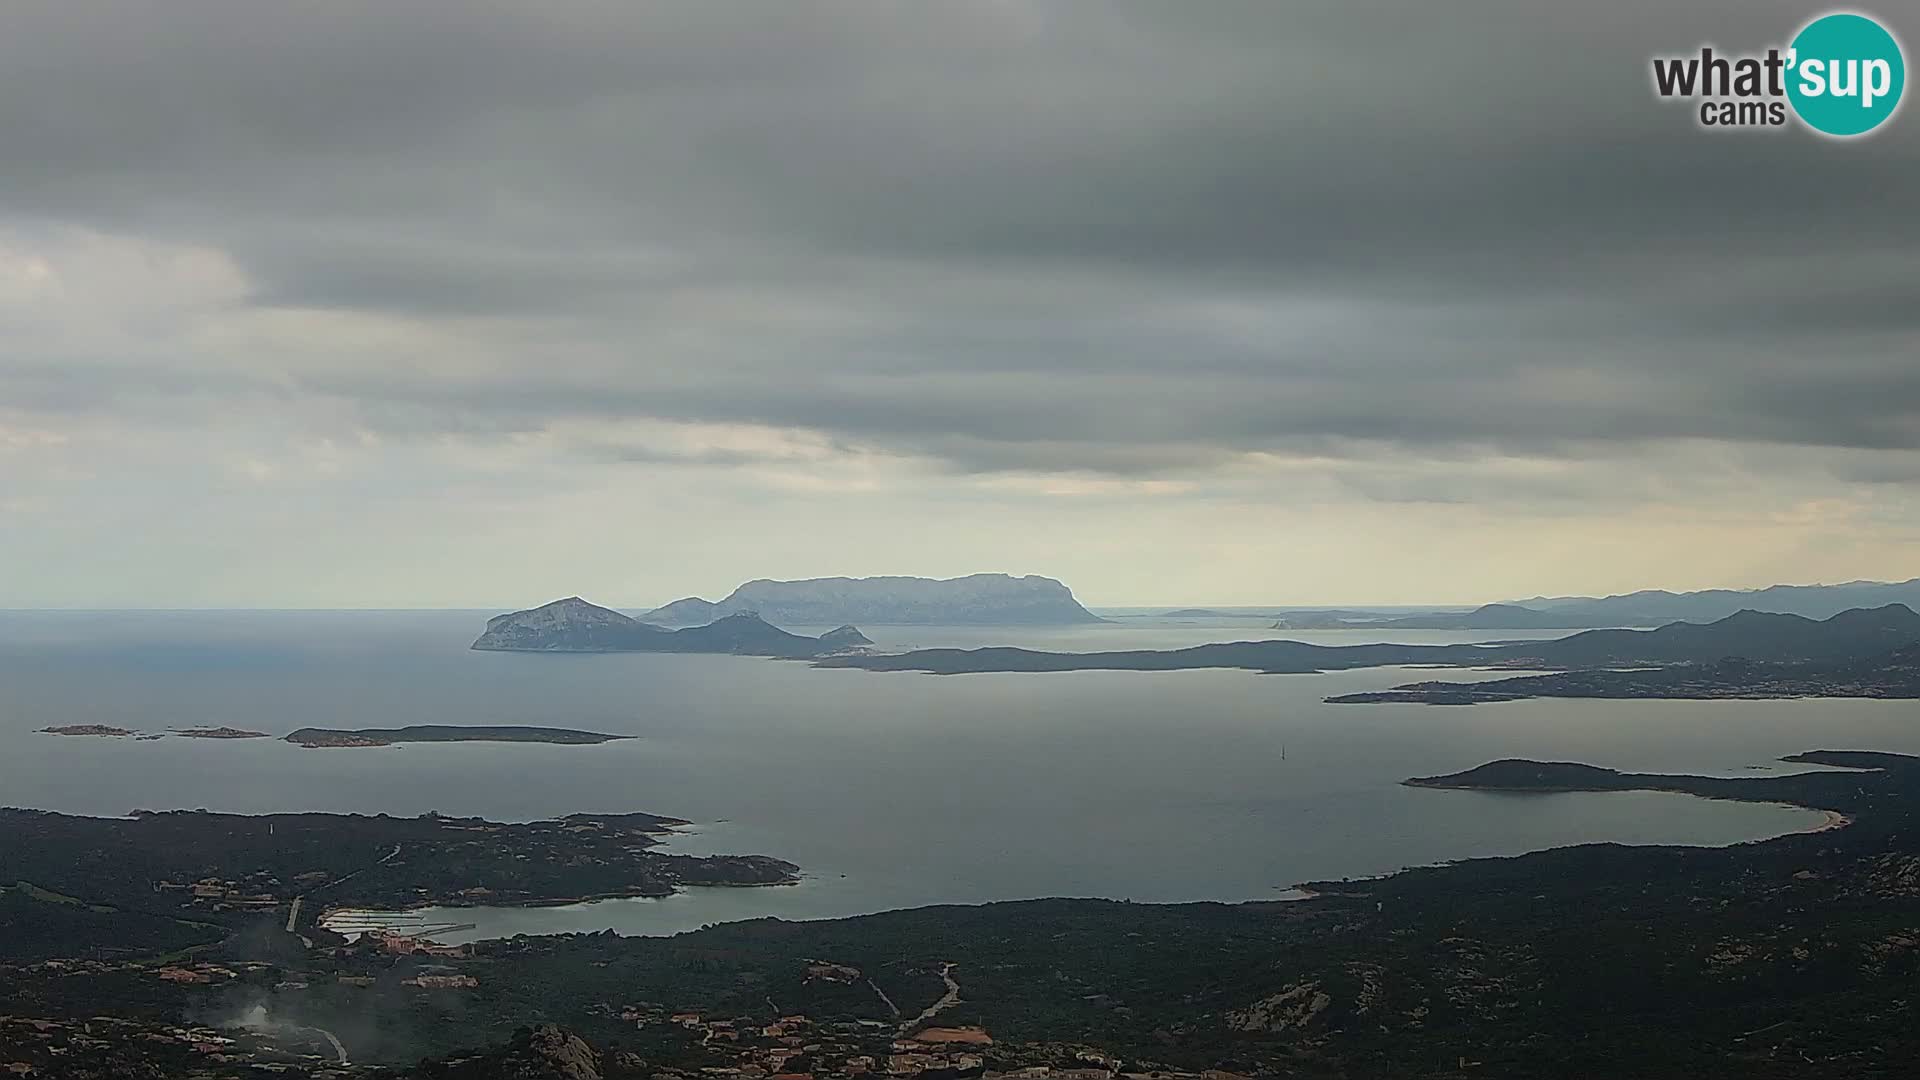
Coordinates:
[1824,790]
[443,733]
[105,731]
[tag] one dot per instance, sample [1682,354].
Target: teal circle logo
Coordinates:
[1847,74]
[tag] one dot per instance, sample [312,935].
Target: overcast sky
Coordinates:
[472,304]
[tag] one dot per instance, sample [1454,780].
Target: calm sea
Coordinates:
[891,790]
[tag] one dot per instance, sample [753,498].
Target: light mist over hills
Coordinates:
[990,599]
[984,599]
[1812,601]
[1649,607]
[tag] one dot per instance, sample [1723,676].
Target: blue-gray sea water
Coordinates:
[890,790]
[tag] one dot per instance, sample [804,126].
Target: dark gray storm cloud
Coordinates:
[1129,238]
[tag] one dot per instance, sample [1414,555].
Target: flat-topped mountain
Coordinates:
[574,625]
[977,599]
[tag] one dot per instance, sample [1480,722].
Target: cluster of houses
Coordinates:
[405,945]
[219,894]
[197,974]
[797,1048]
[72,965]
[45,1049]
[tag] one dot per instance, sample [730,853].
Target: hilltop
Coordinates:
[574,625]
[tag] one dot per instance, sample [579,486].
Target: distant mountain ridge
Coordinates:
[1660,606]
[1648,607]
[977,599]
[574,625]
[1753,635]
[1894,674]
[1484,617]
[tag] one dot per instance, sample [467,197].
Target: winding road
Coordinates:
[947,1001]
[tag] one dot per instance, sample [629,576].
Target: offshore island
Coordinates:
[974,600]
[106,731]
[430,733]
[573,625]
[744,622]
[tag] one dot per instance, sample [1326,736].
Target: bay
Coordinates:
[890,790]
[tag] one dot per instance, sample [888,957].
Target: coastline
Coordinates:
[1834,820]
[1297,893]
[461,904]
[1831,819]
